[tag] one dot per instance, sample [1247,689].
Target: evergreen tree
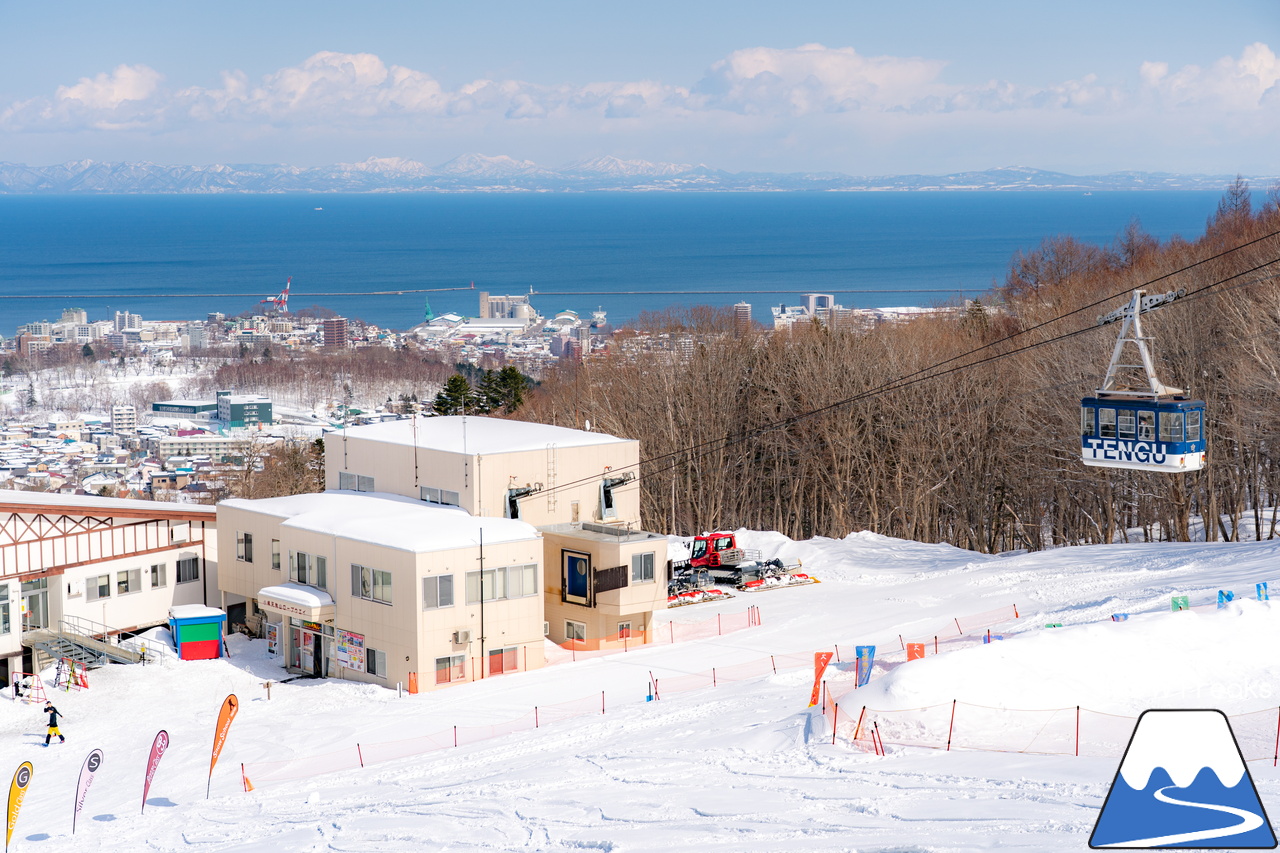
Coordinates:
[87,352]
[489,396]
[7,369]
[456,398]
[31,395]
[514,385]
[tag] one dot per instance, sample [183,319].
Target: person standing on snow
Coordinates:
[53,724]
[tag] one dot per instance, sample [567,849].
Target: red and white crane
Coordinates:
[281,302]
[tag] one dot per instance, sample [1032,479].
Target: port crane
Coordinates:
[280,302]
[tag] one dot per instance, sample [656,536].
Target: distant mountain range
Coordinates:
[481,173]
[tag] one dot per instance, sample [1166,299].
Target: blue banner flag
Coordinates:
[866,657]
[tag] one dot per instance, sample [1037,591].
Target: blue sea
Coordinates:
[180,257]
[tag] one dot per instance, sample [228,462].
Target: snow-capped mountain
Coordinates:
[618,168]
[485,166]
[502,173]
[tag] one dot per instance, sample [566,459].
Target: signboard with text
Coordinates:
[350,650]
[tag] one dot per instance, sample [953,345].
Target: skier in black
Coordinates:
[53,724]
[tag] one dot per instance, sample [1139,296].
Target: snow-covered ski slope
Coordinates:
[744,765]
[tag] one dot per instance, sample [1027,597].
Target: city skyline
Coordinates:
[931,88]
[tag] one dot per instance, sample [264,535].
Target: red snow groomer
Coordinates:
[719,555]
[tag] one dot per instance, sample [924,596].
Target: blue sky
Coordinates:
[853,86]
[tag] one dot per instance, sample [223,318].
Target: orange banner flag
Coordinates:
[228,713]
[820,661]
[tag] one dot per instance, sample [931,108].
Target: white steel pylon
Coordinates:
[1131,333]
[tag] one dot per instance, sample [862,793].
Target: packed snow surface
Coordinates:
[742,765]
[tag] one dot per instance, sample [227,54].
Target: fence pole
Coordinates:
[774,664]
[879,741]
[837,653]
[959,630]
[824,698]
[244,780]
[935,644]
[1015,612]
[535,716]
[455,736]
[835,721]
[360,755]
[601,701]
[672,628]
[718,631]
[952,727]
[713,676]
[1276,760]
[858,728]
[1077,731]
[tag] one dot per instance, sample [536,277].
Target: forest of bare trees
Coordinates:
[985,455]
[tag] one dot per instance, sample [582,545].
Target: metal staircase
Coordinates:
[83,641]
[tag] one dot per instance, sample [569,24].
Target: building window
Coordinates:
[188,569]
[158,578]
[439,496]
[320,572]
[437,592]
[503,660]
[624,630]
[96,588]
[575,630]
[355,482]
[244,547]
[4,609]
[371,584]
[500,584]
[128,581]
[376,662]
[642,567]
[451,669]
[275,554]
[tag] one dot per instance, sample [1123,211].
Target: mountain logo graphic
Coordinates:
[1183,783]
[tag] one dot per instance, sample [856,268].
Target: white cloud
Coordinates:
[1231,83]
[796,94]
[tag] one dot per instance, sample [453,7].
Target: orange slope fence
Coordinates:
[1071,731]
[364,754]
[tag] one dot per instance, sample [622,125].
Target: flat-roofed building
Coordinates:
[373,587]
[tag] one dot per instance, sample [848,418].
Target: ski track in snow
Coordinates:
[742,766]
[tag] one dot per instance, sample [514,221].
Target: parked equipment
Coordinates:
[718,555]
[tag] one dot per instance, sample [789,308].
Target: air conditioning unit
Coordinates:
[461,637]
[546,629]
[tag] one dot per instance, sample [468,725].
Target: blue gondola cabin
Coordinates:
[1164,435]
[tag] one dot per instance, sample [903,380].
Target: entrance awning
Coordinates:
[293,599]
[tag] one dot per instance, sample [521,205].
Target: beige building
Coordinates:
[375,587]
[563,554]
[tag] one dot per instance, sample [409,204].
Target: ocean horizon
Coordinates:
[181,257]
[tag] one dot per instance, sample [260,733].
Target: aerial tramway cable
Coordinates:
[932,371]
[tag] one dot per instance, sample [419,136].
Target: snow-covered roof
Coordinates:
[193,611]
[391,521]
[12,498]
[479,435]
